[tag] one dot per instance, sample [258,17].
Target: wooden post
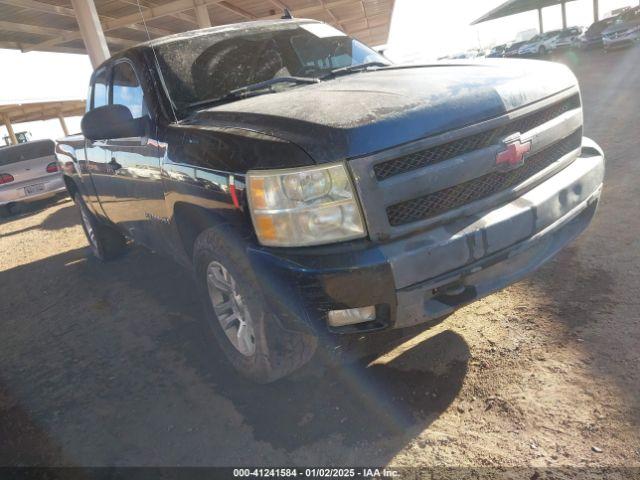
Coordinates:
[63,124]
[12,135]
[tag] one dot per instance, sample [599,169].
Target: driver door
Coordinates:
[131,190]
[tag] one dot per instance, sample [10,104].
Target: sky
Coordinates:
[421,30]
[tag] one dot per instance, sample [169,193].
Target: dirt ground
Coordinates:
[106,364]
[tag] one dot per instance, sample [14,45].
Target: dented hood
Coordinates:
[371,111]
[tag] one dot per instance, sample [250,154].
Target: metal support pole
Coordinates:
[596,11]
[564,15]
[12,135]
[91,31]
[202,16]
[63,124]
[541,24]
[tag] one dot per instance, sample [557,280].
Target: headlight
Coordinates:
[304,206]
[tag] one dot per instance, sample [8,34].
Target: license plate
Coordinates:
[31,189]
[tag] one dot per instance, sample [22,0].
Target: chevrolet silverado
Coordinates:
[317,190]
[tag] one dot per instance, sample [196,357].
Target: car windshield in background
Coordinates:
[191,65]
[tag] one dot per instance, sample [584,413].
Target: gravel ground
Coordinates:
[107,365]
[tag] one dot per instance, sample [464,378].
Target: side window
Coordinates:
[126,90]
[100,97]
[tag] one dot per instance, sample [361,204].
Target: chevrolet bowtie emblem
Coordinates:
[513,154]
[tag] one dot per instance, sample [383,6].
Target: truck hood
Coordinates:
[371,111]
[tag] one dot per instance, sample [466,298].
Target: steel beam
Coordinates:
[91,31]
[178,6]
[540,22]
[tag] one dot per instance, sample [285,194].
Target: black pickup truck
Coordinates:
[318,191]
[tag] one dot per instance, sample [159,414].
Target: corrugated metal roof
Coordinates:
[50,25]
[511,7]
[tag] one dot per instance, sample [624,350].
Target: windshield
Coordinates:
[191,66]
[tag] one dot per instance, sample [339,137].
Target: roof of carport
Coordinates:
[32,111]
[50,25]
[511,7]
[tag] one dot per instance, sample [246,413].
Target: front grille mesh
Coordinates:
[453,197]
[468,144]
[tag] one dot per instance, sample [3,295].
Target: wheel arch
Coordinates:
[190,221]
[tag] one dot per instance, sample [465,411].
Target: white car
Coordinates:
[624,31]
[28,172]
[569,38]
[540,45]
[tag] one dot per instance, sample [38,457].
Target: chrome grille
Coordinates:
[439,202]
[453,149]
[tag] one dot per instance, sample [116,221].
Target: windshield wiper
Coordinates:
[243,92]
[362,67]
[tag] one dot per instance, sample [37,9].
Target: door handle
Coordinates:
[114,164]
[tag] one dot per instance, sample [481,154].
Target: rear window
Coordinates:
[26,151]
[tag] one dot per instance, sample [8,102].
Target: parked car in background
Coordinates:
[467,54]
[498,51]
[513,49]
[21,137]
[568,38]
[624,31]
[592,37]
[28,172]
[540,45]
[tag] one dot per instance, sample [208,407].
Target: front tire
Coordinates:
[106,243]
[251,337]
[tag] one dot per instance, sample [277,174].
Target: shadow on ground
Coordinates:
[119,347]
[58,219]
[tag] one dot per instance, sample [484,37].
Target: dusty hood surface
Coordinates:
[367,112]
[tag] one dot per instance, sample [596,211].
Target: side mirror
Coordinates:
[112,121]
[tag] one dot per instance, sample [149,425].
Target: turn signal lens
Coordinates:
[52,167]
[304,206]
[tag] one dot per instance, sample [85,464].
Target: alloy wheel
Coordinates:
[230,309]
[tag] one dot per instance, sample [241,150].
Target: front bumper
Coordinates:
[426,276]
[15,192]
